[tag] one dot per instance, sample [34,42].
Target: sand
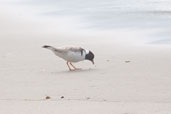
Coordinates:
[127,78]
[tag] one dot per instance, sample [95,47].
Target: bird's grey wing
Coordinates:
[77,49]
[60,50]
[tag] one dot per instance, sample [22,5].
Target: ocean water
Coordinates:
[104,15]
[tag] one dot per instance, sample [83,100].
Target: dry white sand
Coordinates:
[126,79]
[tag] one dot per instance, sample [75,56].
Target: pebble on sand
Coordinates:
[47,97]
[62,97]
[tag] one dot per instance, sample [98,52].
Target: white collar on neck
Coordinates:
[87,51]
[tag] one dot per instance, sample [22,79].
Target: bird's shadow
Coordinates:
[75,71]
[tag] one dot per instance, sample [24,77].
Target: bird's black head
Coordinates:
[90,56]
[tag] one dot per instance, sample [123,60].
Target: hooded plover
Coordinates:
[72,54]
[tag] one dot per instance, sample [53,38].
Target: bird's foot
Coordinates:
[77,69]
[71,69]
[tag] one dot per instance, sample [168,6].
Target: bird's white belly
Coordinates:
[73,56]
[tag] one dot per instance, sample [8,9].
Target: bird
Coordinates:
[72,54]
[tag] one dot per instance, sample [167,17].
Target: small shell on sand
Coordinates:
[108,60]
[127,61]
[47,97]
[87,98]
[62,97]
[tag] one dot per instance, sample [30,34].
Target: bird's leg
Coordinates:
[68,66]
[74,66]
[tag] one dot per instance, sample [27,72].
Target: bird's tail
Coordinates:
[49,47]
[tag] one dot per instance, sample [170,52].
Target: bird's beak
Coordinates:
[92,61]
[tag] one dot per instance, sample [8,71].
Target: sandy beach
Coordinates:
[129,76]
